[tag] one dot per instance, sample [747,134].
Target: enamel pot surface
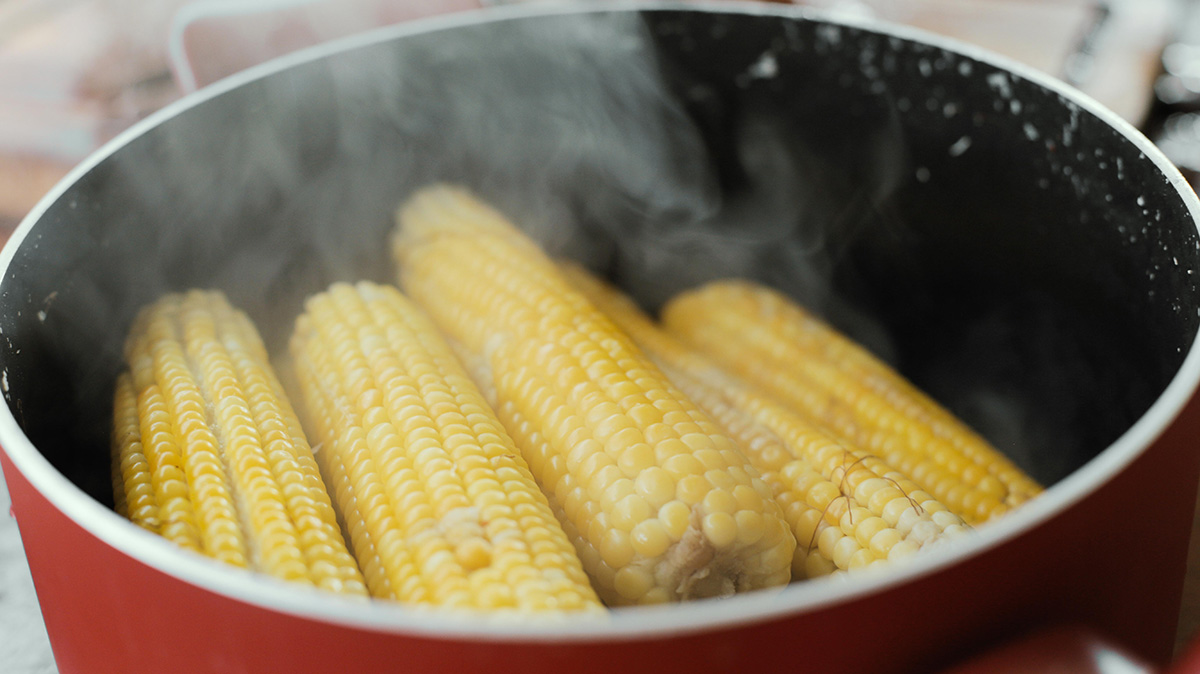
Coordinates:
[1005,242]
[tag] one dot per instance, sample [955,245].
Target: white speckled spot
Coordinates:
[922,174]
[830,34]
[999,82]
[766,67]
[1031,131]
[960,146]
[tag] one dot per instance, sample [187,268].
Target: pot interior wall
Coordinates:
[1004,248]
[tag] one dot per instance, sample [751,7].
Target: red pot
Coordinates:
[1009,244]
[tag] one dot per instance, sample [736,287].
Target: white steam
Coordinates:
[568,124]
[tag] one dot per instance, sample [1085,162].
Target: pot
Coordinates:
[1007,243]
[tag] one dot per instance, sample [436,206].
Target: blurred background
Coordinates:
[75,73]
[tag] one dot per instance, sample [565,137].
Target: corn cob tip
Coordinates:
[763,337]
[460,213]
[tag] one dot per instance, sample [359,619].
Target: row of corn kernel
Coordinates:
[761,336]
[649,481]
[660,503]
[438,506]
[847,509]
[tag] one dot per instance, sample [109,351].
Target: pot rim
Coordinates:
[622,623]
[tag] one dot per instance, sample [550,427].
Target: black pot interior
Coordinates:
[1003,247]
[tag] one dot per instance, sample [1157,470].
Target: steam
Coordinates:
[567,124]
[580,127]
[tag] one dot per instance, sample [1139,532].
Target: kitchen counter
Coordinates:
[24,646]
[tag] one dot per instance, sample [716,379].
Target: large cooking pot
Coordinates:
[1007,243]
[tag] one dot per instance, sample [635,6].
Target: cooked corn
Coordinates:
[760,335]
[659,502]
[209,454]
[441,508]
[846,509]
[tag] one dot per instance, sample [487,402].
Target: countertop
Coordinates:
[24,646]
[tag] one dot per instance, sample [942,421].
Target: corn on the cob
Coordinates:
[209,454]
[847,509]
[760,335]
[442,510]
[659,502]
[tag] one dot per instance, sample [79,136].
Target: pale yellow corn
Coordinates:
[441,508]
[658,500]
[763,337]
[847,509]
[208,452]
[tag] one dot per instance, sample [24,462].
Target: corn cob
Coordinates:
[761,336]
[208,453]
[846,509]
[441,508]
[660,504]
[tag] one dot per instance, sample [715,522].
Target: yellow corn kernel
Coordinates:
[814,477]
[441,508]
[208,451]
[594,418]
[763,337]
